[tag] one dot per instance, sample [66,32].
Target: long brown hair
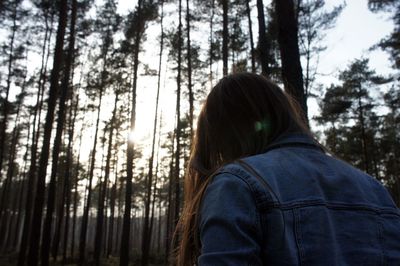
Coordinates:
[242,115]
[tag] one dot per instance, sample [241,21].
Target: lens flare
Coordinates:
[132,136]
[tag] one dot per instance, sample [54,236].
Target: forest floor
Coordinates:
[11,260]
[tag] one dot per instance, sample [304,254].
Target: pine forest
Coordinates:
[99,99]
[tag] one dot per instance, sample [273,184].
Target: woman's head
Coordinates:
[241,116]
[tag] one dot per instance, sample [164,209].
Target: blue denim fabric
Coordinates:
[296,205]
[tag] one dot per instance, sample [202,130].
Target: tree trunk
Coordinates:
[67,179]
[75,205]
[100,208]
[5,198]
[363,135]
[159,223]
[46,238]
[211,51]
[4,203]
[154,200]
[290,56]
[85,217]
[178,129]
[189,68]
[169,227]
[225,37]
[21,196]
[111,223]
[5,114]
[8,208]
[82,239]
[253,61]
[51,104]
[146,239]
[155,188]
[105,231]
[262,39]
[35,138]
[17,229]
[124,256]
[118,237]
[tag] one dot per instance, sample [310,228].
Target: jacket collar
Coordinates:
[295,139]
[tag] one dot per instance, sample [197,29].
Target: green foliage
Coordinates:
[334,105]
[390,142]
[136,24]
[353,129]
[379,5]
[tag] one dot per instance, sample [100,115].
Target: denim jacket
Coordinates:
[296,205]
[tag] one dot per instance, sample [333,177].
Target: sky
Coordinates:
[357,30]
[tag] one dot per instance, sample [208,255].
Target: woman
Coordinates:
[260,190]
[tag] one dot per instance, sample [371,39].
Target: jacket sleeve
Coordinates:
[229,226]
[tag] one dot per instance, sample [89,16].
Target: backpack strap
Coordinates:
[263,182]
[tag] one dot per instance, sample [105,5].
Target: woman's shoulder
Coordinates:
[227,194]
[244,173]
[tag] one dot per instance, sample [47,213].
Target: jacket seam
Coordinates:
[381,241]
[298,239]
[330,205]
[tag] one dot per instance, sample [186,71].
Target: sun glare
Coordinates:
[132,136]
